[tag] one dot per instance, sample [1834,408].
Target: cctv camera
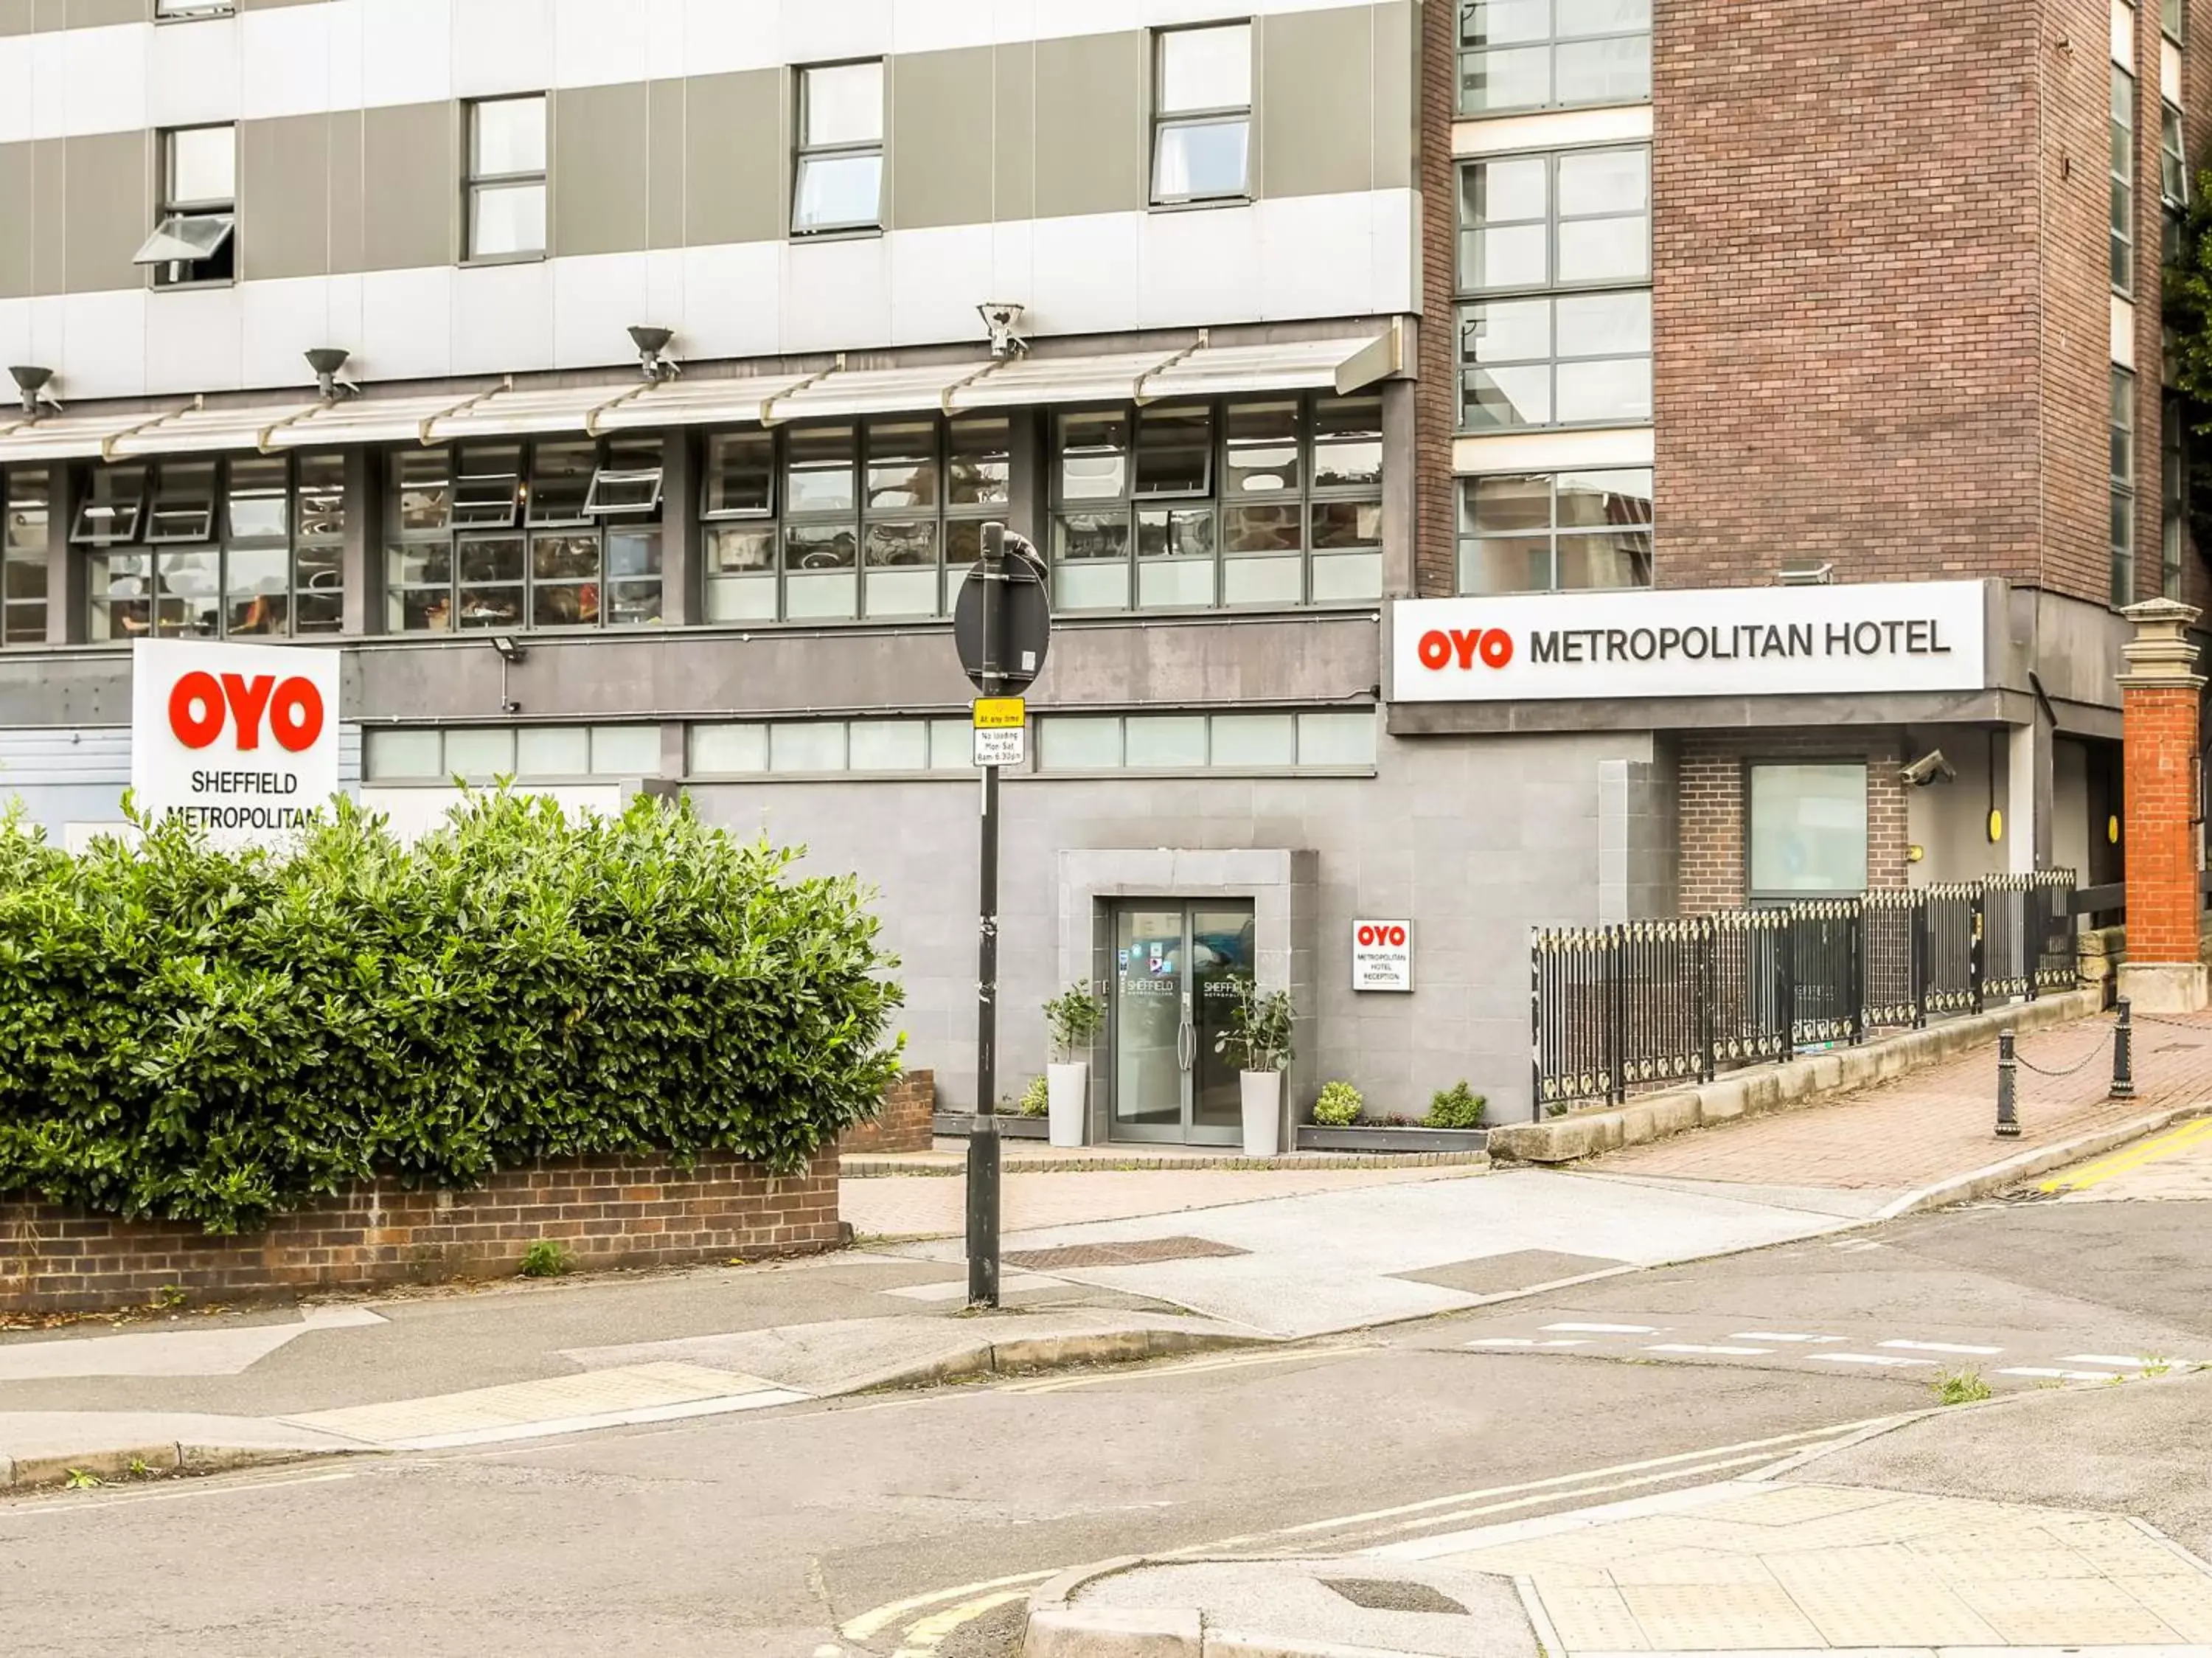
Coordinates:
[1930,767]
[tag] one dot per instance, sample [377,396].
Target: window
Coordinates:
[237,548]
[556,533]
[1256,741]
[507,179]
[529,754]
[1202,121]
[165,9]
[2173,180]
[814,747]
[2124,488]
[838,184]
[1273,501]
[2124,181]
[1807,831]
[1547,532]
[23,557]
[2173,493]
[1558,248]
[878,519]
[2172,17]
[1553,54]
[195,233]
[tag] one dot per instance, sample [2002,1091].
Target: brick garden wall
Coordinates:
[2164,906]
[1714,857]
[607,1212]
[906,1121]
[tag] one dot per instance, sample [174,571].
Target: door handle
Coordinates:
[1186,1039]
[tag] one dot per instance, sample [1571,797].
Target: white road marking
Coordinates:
[1940,1347]
[1778,1335]
[1604,1329]
[1869,1358]
[1523,1343]
[2121,1361]
[1691,1347]
[2045,1374]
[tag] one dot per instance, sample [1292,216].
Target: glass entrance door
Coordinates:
[1175,986]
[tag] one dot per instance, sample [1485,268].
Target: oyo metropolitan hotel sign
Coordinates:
[242,739]
[1713,642]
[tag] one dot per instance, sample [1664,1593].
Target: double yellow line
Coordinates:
[2173,1141]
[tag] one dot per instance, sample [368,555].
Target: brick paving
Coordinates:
[923,1208]
[1920,1129]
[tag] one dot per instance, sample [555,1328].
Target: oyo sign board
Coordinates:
[1382,955]
[243,739]
[1710,641]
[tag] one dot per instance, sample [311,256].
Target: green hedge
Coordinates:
[215,1036]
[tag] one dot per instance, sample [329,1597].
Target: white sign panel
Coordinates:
[1711,642]
[1001,746]
[1382,955]
[241,739]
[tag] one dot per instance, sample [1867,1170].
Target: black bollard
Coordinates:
[2123,1056]
[2008,1076]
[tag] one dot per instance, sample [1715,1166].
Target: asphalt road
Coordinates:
[877,1525]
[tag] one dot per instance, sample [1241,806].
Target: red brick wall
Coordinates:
[1845,287]
[608,1213]
[1714,859]
[1435,409]
[905,1123]
[2163,903]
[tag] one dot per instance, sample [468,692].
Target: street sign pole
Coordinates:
[983,1139]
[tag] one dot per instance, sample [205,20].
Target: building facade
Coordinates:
[623,389]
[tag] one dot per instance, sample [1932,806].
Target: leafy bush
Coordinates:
[1457,1106]
[1260,1027]
[192,1033]
[1075,1017]
[1339,1106]
[1036,1099]
[546,1260]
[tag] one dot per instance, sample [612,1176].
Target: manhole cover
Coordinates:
[1140,1252]
[1392,1594]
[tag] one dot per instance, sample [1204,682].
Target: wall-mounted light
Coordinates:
[511,650]
[652,352]
[31,387]
[327,361]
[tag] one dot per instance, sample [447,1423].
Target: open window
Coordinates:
[183,503]
[627,480]
[114,500]
[561,476]
[195,234]
[488,493]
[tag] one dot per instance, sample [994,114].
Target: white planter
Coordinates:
[1068,1088]
[1262,1099]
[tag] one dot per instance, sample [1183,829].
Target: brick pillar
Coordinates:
[2164,973]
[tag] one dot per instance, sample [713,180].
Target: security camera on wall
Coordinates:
[1930,767]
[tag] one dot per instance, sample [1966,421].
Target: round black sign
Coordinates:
[1025,619]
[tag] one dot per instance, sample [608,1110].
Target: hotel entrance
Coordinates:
[1176,966]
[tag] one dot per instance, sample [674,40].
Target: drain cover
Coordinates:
[1138,1253]
[1392,1595]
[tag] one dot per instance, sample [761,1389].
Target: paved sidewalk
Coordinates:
[1915,1132]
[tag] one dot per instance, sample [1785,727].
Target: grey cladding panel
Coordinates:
[942,111]
[736,138]
[348,229]
[49,176]
[1092,138]
[602,153]
[106,212]
[284,195]
[1397,81]
[664,223]
[1014,152]
[411,175]
[16,17]
[98,13]
[18,198]
[1317,102]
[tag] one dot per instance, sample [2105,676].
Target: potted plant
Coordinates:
[1258,1036]
[1074,1017]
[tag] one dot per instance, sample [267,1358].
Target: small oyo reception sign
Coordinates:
[242,739]
[1382,955]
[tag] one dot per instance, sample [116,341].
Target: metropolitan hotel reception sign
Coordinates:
[1721,641]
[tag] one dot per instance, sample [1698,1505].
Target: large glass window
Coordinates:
[562,533]
[239,547]
[1554,532]
[1202,114]
[2173,492]
[507,179]
[839,177]
[874,519]
[1580,218]
[1273,501]
[1807,831]
[1553,54]
[1577,360]
[195,228]
[2124,487]
[528,753]
[2124,181]
[23,557]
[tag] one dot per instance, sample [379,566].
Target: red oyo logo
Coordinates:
[1441,647]
[200,705]
[1372,938]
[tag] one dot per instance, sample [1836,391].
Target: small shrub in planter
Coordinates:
[1339,1106]
[1457,1106]
[1035,1099]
